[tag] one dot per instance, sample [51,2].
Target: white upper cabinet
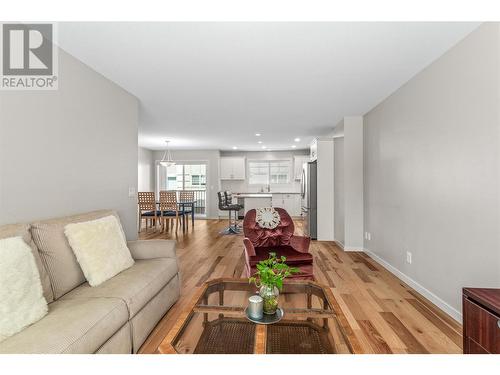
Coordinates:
[298,161]
[232,168]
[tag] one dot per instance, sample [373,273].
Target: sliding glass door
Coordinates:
[185,176]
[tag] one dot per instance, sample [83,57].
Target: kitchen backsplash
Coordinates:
[244,187]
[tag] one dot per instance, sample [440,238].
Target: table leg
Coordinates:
[221,299]
[309,301]
[205,315]
[325,320]
[192,214]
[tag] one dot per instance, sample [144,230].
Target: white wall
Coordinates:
[211,157]
[68,151]
[145,170]
[348,182]
[325,185]
[353,178]
[244,187]
[338,188]
[432,173]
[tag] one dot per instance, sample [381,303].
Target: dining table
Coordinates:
[182,209]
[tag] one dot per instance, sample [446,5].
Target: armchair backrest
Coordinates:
[262,237]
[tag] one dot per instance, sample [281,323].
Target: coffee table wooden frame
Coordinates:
[198,304]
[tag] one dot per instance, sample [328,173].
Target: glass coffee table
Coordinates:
[214,322]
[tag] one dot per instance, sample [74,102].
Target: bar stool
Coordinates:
[226,205]
[236,206]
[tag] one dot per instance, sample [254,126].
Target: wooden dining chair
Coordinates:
[186,196]
[147,208]
[169,210]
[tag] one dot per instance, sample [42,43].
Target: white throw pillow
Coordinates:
[100,248]
[21,294]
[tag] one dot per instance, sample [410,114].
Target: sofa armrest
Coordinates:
[150,249]
[300,243]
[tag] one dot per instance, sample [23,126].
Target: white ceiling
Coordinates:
[214,85]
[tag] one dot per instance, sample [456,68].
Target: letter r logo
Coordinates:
[27,49]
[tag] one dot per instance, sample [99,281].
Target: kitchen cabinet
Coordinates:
[232,168]
[289,202]
[298,161]
[258,201]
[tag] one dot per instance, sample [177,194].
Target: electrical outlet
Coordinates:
[408,257]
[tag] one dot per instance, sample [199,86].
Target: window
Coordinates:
[269,172]
[258,173]
[185,176]
[279,172]
[198,180]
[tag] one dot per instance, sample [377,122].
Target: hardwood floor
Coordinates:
[386,315]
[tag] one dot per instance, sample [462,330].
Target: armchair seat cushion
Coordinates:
[293,257]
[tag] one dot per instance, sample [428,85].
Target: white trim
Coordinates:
[354,248]
[343,247]
[455,314]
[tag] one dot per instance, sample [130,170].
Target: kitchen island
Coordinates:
[253,200]
[288,201]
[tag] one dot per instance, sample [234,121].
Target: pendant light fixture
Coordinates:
[167,160]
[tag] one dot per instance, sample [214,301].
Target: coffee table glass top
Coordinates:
[215,322]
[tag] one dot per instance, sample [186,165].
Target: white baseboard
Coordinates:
[451,311]
[343,247]
[353,248]
[339,244]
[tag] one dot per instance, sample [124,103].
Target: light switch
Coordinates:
[131,192]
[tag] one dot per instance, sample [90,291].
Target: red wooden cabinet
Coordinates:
[481,320]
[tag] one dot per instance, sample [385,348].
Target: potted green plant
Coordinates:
[269,278]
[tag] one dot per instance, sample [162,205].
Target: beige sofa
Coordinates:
[114,317]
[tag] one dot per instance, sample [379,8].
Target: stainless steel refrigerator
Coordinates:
[310,199]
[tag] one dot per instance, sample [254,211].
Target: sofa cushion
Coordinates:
[21,295]
[143,323]
[23,231]
[72,326]
[100,248]
[64,271]
[136,286]
[150,249]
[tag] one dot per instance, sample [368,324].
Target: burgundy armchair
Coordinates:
[259,242]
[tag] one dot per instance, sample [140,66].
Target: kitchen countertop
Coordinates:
[259,194]
[253,195]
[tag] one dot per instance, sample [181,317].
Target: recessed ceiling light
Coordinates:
[258,134]
[235,148]
[264,147]
[293,146]
[259,142]
[297,139]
